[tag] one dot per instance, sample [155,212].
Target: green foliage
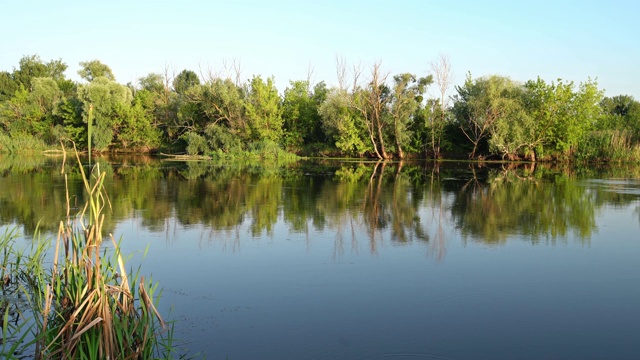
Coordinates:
[152,82]
[481,105]
[407,97]
[94,69]
[263,111]
[621,113]
[608,146]
[137,131]
[196,144]
[31,67]
[185,80]
[497,117]
[21,142]
[8,85]
[111,102]
[68,115]
[561,115]
[219,138]
[342,125]
[300,114]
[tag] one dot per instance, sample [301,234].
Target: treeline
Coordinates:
[368,114]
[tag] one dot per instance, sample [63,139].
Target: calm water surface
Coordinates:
[350,260]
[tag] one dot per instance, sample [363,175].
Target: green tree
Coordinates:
[302,123]
[137,131]
[407,96]
[15,114]
[68,115]
[621,112]
[153,82]
[263,110]
[342,125]
[185,80]
[162,103]
[31,67]
[562,115]
[223,103]
[8,85]
[372,101]
[43,100]
[480,104]
[94,69]
[110,102]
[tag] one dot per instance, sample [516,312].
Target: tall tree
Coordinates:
[443,75]
[8,85]
[163,102]
[91,70]
[32,66]
[342,125]
[263,111]
[372,102]
[185,80]
[562,115]
[480,103]
[621,112]
[110,102]
[302,121]
[407,95]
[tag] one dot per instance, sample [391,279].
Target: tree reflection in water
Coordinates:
[362,203]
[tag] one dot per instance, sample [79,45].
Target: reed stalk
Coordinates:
[88,306]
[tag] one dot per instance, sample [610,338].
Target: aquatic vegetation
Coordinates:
[86,305]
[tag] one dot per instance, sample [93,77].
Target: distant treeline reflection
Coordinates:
[358,201]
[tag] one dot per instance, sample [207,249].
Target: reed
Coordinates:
[82,303]
[88,306]
[17,289]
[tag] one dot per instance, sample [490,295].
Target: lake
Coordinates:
[369,260]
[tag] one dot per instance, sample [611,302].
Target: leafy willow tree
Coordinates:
[43,99]
[94,69]
[111,102]
[342,125]
[408,94]
[372,101]
[15,115]
[263,111]
[223,105]
[561,115]
[480,104]
[217,113]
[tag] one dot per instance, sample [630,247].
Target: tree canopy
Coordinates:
[371,114]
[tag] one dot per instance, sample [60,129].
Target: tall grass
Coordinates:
[20,143]
[85,305]
[18,286]
[608,147]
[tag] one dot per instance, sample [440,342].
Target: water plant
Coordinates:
[85,304]
[91,307]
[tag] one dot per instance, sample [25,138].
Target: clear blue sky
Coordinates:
[572,40]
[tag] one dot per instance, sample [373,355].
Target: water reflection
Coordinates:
[360,202]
